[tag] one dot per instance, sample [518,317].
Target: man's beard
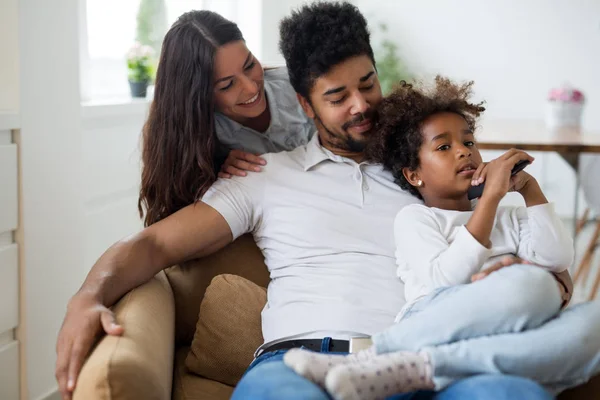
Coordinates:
[346,141]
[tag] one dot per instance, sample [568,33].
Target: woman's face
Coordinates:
[239,83]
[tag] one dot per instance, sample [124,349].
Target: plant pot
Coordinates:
[563,114]
[138,89]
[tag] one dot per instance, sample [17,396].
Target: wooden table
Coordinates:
[534,136]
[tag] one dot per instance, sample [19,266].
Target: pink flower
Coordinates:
[577,96]
[566,94]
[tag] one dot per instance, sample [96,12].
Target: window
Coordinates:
[109,30]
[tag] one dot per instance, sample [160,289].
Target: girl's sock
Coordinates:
[380,377]
[314,366]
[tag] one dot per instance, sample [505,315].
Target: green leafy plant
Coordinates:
[140,64]
[390,67]
[151,23]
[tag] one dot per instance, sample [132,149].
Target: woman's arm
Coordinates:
[238,162]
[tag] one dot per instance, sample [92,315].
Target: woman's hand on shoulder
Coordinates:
[238,162]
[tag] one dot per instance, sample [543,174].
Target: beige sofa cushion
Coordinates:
[139,364]
[187,386]
[228,330]
[190,280]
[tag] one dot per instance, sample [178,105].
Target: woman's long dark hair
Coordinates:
[179,144]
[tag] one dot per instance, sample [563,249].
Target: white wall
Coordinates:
[514,50]
[111,167]
[52,201]
[272,12]
[9,56]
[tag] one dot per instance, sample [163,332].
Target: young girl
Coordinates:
[509,322]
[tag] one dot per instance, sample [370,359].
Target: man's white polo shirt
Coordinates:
[325,226]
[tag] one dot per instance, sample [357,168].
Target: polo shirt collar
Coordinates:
[315,153]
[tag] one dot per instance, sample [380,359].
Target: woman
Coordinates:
[214,108]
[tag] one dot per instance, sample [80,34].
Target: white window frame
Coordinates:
[251,27]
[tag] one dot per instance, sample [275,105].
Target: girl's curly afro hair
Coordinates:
[398,136]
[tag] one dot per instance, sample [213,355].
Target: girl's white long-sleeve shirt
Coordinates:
[434,248]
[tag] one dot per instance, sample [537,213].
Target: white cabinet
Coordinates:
[8,185]
[9,371]
[9,259]
[9,288]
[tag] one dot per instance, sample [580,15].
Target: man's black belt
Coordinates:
[321,345]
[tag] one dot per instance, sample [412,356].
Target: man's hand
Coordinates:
[563,279]
[238,162]
[505,262]
[86,319]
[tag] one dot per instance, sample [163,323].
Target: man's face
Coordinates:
[343,102]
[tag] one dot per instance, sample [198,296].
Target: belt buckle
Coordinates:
[360,343]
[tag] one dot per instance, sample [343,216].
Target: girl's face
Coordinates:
[239,84]
[448,157]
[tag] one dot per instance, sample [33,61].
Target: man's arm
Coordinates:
[192,232]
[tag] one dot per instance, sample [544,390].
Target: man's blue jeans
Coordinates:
[268,378]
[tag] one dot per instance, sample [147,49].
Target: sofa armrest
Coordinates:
[139,364]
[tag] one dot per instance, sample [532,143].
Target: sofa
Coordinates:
[159,317]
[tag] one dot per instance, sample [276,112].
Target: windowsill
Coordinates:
[9,120]
[116,107]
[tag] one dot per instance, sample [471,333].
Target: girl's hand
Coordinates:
[477,178]
[497,176]
[520,180]
[238,162]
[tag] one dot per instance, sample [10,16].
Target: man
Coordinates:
[321,215]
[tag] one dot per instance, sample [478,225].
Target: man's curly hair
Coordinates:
[318,36]
[398,137]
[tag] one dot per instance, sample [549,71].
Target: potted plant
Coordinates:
[391,69]
[564,107]
[151,23]
[140,68]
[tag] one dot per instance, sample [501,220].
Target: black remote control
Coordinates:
[476,191]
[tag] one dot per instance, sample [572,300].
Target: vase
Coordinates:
[138,89]
[563,114]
